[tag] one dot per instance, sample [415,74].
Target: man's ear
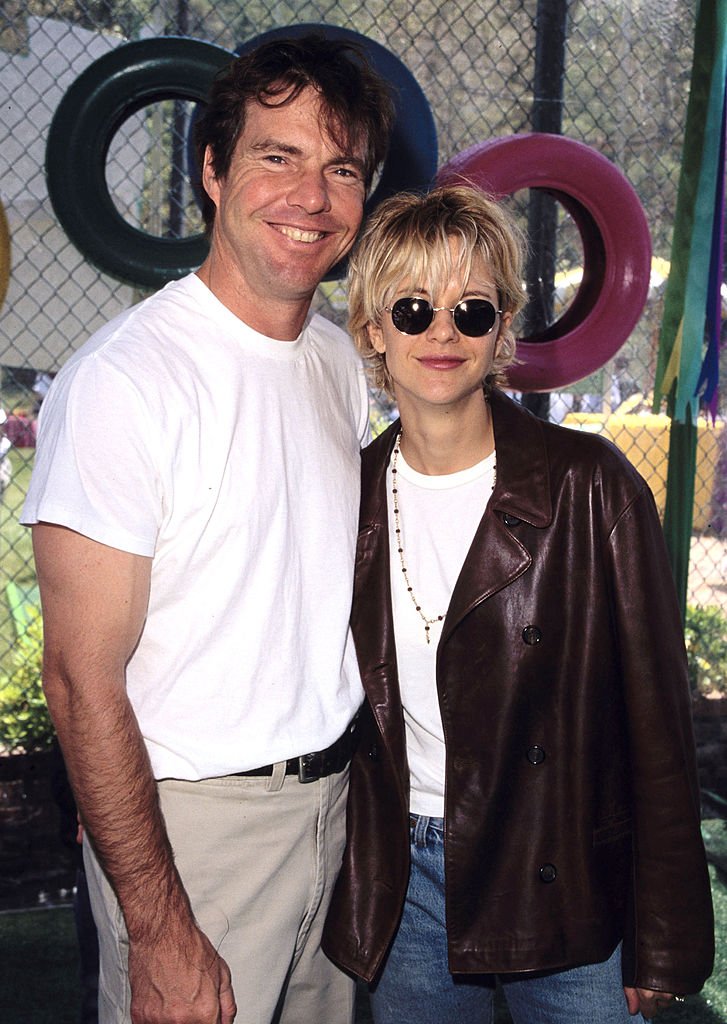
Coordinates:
[209,178]
[376,337]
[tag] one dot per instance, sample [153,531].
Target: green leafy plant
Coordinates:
[705,634]
[25,724]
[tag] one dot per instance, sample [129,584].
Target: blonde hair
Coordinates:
[409,237]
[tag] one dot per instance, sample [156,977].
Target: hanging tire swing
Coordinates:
[90,113]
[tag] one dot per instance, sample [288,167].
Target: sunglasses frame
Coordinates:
[455,310]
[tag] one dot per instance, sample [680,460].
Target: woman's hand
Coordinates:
[648,1002]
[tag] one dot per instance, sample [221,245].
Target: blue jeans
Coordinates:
[416,987]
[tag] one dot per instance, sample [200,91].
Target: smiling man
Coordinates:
[194,508]
[287,209]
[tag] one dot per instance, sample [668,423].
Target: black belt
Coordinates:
[312,767]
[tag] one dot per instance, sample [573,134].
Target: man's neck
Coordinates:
[280,320]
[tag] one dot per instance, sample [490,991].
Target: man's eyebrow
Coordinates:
[266,145]
[348,158]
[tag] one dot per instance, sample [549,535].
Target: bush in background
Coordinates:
[705,634]
[25,724]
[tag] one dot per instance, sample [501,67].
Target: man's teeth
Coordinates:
[301,236]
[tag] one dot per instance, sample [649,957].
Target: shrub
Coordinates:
[25,724]
[705,634]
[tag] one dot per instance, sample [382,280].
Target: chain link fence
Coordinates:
[625,86]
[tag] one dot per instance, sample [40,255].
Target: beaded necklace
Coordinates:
[428,622]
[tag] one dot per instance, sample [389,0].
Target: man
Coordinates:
[194,503]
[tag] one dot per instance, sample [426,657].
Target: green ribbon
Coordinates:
[681,340]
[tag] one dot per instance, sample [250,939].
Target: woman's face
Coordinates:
[441,366]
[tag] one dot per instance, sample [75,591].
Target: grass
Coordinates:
[16,552]
[16,555]
[40,983]
[40,967]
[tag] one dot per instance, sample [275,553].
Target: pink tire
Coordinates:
[616,249]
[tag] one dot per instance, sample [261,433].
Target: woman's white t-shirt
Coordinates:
[438,517]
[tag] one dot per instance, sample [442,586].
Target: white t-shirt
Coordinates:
[232,459]
[438,516]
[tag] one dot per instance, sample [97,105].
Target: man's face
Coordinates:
[289,207]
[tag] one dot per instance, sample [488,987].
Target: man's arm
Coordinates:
[94,601]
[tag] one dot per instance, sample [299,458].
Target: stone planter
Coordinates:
[33,858]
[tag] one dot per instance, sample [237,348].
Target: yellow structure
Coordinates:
[643,437]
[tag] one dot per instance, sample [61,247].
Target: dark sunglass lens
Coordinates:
[475,317]
[411,316]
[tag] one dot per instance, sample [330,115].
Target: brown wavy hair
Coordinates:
[357,104]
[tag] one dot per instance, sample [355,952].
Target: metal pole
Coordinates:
[175,220]
[547,116]
[679,509]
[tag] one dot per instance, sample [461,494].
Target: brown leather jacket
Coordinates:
[572,807]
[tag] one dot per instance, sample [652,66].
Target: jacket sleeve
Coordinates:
[669,938]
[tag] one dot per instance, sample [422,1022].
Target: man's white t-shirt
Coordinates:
[232,460]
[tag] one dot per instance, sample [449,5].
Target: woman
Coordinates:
[524,802]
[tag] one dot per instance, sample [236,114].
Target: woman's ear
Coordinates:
[376,337]
[505,321]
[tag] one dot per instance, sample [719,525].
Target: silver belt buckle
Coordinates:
[305,774]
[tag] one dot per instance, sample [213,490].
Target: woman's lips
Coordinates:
[441,362]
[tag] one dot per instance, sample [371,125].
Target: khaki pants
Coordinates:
[258,858]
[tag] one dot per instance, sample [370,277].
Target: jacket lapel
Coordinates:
[522,492]
[372,619]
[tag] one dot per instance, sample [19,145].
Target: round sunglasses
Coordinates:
[472,317]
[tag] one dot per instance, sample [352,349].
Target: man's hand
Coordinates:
[180,979]
[646,1001]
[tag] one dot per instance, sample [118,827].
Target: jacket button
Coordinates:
[532,635]
[374,752]
[535,754]
[548,873]
[509,520]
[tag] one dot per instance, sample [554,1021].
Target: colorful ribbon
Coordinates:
[692,300]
